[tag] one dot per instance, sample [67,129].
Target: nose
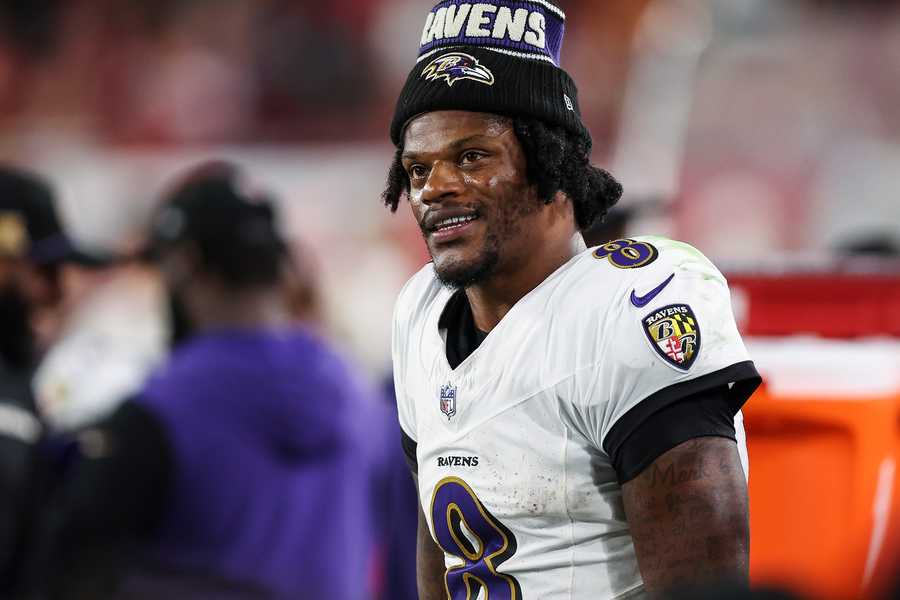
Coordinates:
[444,181]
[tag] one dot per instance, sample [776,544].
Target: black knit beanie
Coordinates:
[500,56]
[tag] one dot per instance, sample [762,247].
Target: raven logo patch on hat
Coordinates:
[674,333]
[456,66]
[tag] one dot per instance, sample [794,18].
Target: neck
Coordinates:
[492,299]
[255,308]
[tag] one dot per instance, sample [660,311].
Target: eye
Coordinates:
[417,172]
[470,156]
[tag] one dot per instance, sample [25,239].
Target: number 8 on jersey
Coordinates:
[465,529]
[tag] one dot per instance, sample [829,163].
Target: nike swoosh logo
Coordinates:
[642,301]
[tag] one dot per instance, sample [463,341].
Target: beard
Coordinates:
[504,226]
[462,274]
[17,342]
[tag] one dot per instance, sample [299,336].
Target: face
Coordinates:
[469,193]
[30,310]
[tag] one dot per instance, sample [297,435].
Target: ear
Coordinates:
[559,198]
[181,263]
[563,207]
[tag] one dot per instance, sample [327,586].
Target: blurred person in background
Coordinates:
[401,521]
[115,334]
[241,470]
[34,251]
[723,591]
[394,496]
[303,286]
[571,415]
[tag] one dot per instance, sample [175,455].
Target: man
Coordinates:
[571,414]
[241,470]
[33,250]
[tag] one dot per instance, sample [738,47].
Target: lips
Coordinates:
[451,222]
[446,219]
[444,226]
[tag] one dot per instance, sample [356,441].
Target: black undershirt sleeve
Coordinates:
[704,414]
[701,407]
[409,449]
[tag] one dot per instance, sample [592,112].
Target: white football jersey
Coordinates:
[513,477]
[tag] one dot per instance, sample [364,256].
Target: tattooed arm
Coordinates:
[689,517]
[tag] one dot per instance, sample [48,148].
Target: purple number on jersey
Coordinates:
[627,254]
[482,547]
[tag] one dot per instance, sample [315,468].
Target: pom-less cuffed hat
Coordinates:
[501,56]
[30,226]
[212,209]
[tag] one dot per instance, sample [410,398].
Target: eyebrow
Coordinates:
[456,145]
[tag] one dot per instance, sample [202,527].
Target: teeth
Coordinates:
[454,221]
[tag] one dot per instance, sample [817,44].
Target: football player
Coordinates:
[571,414]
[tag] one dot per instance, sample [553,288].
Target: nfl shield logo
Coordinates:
[448,400]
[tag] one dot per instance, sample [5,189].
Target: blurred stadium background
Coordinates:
[765,132]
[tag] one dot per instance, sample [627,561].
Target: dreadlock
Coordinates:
[558,160]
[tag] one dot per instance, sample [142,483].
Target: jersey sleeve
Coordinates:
[670,335]
[399,359]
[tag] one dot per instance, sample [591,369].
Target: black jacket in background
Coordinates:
[20,432]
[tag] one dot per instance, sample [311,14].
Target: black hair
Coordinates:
[558,159]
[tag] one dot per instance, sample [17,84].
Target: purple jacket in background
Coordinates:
[271,484]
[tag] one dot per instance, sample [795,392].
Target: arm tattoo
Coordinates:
[688,516]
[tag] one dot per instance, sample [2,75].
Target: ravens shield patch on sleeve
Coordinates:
[674,333]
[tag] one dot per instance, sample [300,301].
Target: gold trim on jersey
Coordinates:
[479,552]
[488,560]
